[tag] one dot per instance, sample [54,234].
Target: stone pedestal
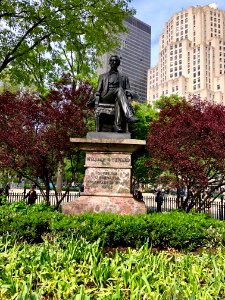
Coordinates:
[107,181]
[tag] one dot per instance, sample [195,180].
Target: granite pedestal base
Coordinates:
[98,204]
[107,181]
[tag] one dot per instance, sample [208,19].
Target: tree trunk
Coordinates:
[60,173]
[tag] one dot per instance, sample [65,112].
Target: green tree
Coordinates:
[146,113]
[40,39]
[164,101]
[140,130]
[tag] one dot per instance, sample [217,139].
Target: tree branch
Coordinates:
[7,59]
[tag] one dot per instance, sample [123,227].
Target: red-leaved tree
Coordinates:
[187,142]
[35,132]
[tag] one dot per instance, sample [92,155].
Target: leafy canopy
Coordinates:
[146,115]
[39,39]
[35,132]
[140,130]
[188,140]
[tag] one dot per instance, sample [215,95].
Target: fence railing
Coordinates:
[16,197]
[216,209]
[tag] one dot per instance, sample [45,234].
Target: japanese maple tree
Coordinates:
[187,142]
[35,132]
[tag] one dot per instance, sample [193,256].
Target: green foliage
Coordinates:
[182,231]
[74,167]
[75,269]
[140,130]
[163,101]
[173,229]
[146,114]
[141,169]
[24,223]
[42,39]
[72,257]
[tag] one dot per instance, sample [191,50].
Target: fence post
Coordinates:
[221,210]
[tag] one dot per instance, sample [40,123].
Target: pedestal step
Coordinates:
[98,204]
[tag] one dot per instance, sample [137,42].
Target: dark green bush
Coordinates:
[25,223]
[172,229]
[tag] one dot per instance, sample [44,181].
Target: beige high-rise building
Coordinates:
[192,56]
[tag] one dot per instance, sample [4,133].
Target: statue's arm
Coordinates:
[127,83]
[99,90]
[94,100]
[100,85]
[130,93]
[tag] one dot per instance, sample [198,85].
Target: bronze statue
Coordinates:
[112,97]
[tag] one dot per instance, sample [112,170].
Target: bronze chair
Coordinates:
[109,109]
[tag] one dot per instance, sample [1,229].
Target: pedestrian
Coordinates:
[31,195]
[7,188]
[139,195]
[159,200]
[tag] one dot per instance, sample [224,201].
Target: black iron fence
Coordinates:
[16,197]
[215,210]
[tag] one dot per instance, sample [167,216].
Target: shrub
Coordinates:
[25,223]
[172,229]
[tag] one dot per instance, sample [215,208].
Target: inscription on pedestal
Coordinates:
[107,180]
[115,160]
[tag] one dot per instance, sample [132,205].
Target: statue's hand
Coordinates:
[97,98]
[128,94]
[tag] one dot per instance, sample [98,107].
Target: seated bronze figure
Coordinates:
[112,98]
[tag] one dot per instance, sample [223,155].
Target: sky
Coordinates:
[157,13]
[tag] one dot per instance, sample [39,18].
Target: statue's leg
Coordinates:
[118,118]
[97,127]
[110,98]
[123,102]
[125,105]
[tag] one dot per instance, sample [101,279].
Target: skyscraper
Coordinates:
[192,56]
[134,52]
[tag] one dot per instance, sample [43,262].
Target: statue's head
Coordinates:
[114,61]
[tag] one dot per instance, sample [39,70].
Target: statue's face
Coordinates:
[114,62]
